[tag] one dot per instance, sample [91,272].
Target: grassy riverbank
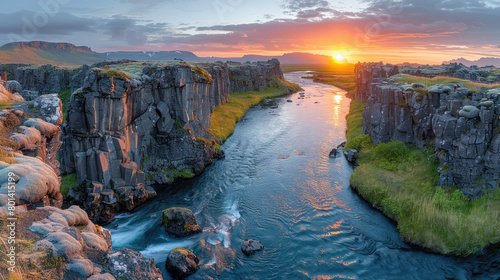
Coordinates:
[225,117]
[401,181]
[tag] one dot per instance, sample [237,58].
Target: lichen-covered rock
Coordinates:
[37,183]
[14,86]
[50,107]
[180,222]
[182,263]
[130,265]
[469,112]
[250,246]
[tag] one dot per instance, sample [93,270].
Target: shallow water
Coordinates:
[278,185]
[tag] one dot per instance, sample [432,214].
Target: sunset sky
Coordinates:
[425,31]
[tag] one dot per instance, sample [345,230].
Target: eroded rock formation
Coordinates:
[255,76]
[463,126]
[117,127]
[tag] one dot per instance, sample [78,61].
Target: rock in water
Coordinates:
[182,263]
[251,246]
[352,156]
[180,222]
[333,153]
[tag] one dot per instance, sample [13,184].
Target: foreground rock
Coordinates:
[67,245]
[37,184]
[250,246]
[182,263]
[130,265]
[180,222]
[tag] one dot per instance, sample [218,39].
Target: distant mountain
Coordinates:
[288,58]
[153,55]
[482,62]
[66,54]
[38,52]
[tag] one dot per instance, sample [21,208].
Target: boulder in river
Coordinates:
[182,263]
[180,222]
[251,246]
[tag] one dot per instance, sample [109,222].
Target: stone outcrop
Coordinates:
[34,129]
[69,240]
[31,81]
[255,76]
[368,73]
[118,126]
[456,70]
[463,126]
[36,184]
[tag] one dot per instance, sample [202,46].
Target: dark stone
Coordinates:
[180,222]
[182,263]
[250,246]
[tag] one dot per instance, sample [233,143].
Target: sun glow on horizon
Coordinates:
[339,57]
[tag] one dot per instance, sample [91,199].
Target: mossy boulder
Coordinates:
[182,263]
[180,222]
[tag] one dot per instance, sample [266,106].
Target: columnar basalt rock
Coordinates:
[368,73]
[463,126]
[119,127]
[255,76]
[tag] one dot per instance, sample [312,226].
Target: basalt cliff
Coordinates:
[461,124]
[129,125]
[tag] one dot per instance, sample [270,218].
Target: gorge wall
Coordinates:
[124,134]
[463,126]
[255,76]
[127,130]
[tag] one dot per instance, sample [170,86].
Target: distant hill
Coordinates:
[288,58]
[66,54]
[38,52]
[153,55]
[482,62]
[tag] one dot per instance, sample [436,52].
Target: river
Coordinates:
[278,185]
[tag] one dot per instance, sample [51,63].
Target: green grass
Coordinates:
[185,173]
[68,182]
[403,78]
[134,70]
[65,95]
[113,73]
[401,181]
[202,73]
[225,117]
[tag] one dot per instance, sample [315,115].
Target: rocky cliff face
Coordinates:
[117,127]
[255,76]
[46,79]
[463,126]
[368,73]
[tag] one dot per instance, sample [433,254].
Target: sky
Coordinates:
[395,31]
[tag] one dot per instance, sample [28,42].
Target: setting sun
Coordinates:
[339,57]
